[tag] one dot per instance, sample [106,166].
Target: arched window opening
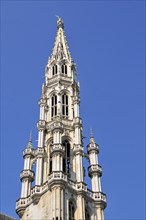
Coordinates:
[71,211]
[64,105]
[33,168]
[66,159]
[87,215]
[54,106]
[64,69]
[54,70]
[50,171]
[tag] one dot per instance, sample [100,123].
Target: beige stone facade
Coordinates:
[59,192]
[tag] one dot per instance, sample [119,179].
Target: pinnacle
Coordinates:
[29,145]
[60,23]
[92,141]
[60,50]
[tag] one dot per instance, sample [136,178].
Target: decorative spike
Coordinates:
[30,136]
[91,133]
[60,44]
[60,23]
[29,145]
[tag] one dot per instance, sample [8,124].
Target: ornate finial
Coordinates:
[92,141]
[30,136]
[60,23]
[29,145]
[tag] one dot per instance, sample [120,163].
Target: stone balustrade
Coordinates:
[28,151]
[81,186]
[57,176]
[39,151]
[99,196]
[57,148]
[93,147]
[95,168]
[37,191]
[22,203]
[27,174]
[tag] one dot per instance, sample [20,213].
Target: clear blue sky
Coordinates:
[106,40]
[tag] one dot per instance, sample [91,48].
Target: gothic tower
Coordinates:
[59,191]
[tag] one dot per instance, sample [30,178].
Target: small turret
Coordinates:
[94,170]
[27,175]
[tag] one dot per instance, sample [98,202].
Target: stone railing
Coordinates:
[28,151]
[39,151]
[81,186]
[99,196]
[57,148]
[57,176]
[93,147]
[27,174]
[95,168]
[89,193]
[37,191]
[22,203]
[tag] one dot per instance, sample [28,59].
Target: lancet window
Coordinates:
[53,105]
[64,68]
[66,159]
[54,70]
[71,211]
[50,171]
[65,105]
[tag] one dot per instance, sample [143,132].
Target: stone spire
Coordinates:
[61,49]
[29,145]
[59,191]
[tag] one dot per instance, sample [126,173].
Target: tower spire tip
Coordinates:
[91,133]
[30,136]
[60,23]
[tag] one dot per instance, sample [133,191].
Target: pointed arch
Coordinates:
[65,105]
[53,105]
[54,70]
[66,159]
[87,213]
[71,208]
[64,69]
